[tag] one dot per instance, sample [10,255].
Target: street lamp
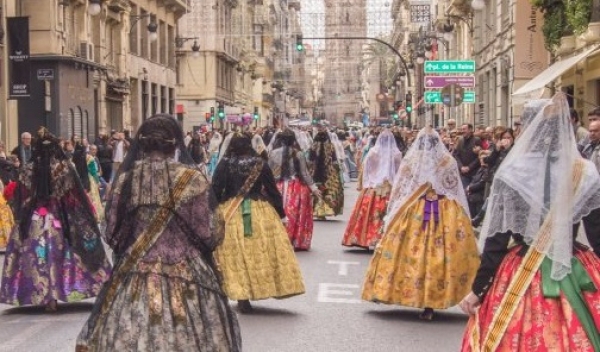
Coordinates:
[94,7]
[152,26]
[179,41]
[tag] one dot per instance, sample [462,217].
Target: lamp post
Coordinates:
[179,41]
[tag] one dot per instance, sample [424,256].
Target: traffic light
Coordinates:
[221,111]
[256,116]
[395,115]
[299,45]
[212,113]
[408,103]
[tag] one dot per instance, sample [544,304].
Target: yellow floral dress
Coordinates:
[6,222]
[424,264]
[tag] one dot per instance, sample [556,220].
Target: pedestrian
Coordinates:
[119,148]
[213,151]
[536,288]
[256,258]
[297,188]
[164,294]
[580,131]
[466,157]
[24,150]
[95,181]
[592,150]
[379,169]
[428,255]
[327,176]
[55,252]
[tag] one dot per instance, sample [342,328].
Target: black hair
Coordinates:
[288,143]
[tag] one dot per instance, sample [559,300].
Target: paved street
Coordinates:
[329,317]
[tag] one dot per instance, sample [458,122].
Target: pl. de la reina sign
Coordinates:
[530,55]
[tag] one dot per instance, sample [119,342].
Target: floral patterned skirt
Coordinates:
[7,223]
[42,267]
[331,202]
[94,195]
[298,207]
[164,307]
[260,265]
[424,264]
[539,323]
[366,222]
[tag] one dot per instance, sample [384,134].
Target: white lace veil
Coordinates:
[382,162]
[531,109]
[339,148]
[215,142]
[427,161]
[535,181]
[303,140]
[258,144]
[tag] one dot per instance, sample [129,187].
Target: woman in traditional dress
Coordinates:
[327,176]
[428,255]
[537,289]
[6,220]
[256,258]
[54,252]
[213,151]
[164,294]
[93,170]
[297,188]
[366,223]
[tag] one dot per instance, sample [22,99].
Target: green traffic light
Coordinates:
[299,47]
[395,116]
[408,108]
[256,116]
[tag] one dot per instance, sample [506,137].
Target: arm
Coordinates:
[205,229]
[271,191]
[494,251]
[591,223]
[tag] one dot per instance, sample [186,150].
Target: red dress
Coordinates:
[365,226]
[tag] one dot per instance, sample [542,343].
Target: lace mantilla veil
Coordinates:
[427,160]
[535,182]
[382,162]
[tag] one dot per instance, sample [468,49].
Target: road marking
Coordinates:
[343,266]
[326,290]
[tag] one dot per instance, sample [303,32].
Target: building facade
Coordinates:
[343,72]
[109,70]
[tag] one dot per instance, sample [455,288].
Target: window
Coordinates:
[144,100]
[154,47]
[257,40]
[171,43]
[134,33]
[77,123]
[85,132]
[171,101]
[163,44]
[154,99]
[70,119]
[163,99]
[144,33]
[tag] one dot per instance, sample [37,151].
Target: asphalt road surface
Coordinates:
[330,317]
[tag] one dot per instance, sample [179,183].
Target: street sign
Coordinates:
[435,97]
[442,81]
[45,74]
[450,66]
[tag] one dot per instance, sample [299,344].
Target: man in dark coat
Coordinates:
[466,156]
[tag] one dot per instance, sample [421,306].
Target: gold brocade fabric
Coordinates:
[262,265]
[6,222]
[94,194]
[421,266]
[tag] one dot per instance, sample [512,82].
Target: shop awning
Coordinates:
[540,81]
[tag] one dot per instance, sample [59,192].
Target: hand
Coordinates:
[284,220]
[464,169]
[469,304]
[317,193]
